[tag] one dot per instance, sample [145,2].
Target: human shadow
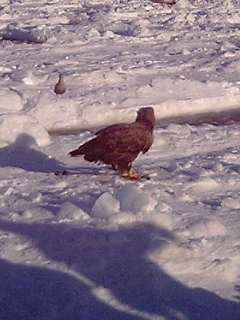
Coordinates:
[34,293]
[117,261]
[21,154]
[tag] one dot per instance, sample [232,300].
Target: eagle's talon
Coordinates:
[132,175]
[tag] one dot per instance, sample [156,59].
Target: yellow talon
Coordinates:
[133,175]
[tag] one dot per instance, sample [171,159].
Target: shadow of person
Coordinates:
[30,292]
[21,154]
[117,261]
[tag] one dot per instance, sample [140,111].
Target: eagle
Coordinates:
[120,144]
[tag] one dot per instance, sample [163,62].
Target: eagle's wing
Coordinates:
[149,142]
[124,138]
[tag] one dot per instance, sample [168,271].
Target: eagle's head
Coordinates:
[146,116]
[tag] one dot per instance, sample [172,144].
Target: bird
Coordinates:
[120,144]
[60,86]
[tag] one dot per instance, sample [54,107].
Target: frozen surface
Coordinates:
[89,244]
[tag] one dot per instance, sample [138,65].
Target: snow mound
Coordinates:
[27,77]
[205,228]
[162,219]
[10,100]
[171,251]
[69,212]
[205,185]
[60,114]
[14,32]
[134,199]
[123,218]
[224,267]
[183,107]
[105,206]
[55,112]
[230,203]
[13,126]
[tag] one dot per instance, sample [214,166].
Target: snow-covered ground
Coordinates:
[90,244]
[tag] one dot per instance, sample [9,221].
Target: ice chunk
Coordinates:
[206,228]
[10,100]
[206,185]
[27,76]
[230,203]
[134,199]
[105,206]
[122,218]
[14,32]
[69,212]
[12,126]
[54,113]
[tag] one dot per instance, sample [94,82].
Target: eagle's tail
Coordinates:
[90,150]
[75,153]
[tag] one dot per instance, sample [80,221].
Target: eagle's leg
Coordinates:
[125,170]
[133,175]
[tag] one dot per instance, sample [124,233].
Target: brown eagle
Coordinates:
[120,144]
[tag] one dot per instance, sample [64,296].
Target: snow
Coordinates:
[89,244]
[132,199]
[105,206]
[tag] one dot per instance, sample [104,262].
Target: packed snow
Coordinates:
[77,241]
